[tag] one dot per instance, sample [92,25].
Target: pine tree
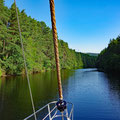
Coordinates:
[3,26]
[14,59]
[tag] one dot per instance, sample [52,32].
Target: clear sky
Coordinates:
[87,25]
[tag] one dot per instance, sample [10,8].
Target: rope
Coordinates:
[25,62]
[53,20]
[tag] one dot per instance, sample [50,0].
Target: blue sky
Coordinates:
[87,25]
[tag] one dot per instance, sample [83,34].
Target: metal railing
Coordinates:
[50,112]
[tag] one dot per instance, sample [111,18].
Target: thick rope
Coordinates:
[53,20]
[25,62]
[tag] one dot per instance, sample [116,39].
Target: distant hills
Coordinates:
[93,54]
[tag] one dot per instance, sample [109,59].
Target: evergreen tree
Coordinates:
[109,58]
[13,61]
[38,44]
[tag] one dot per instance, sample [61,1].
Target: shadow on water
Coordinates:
[114,85]
[15,101]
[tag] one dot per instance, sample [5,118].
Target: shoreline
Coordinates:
[31,73]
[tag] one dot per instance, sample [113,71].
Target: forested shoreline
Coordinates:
[109,58]
[38,44]
[39,49]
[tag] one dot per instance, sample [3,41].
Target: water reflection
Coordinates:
[96,96]
[15,98]
[114,84]
[114,88]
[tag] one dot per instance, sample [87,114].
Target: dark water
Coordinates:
[95,95]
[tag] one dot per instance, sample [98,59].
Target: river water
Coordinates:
[95,95]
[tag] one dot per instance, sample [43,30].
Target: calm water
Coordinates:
[95,95]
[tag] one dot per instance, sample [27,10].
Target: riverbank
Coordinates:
[37,72]
[2,74]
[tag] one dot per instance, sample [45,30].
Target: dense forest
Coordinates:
[109,58]
[38,44]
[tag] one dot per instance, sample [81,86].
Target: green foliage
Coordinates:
[0,72]
[38,45]
[88,61]
[109,58]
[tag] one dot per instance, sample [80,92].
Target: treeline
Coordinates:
[109,58]
[88,60]
[38,44]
